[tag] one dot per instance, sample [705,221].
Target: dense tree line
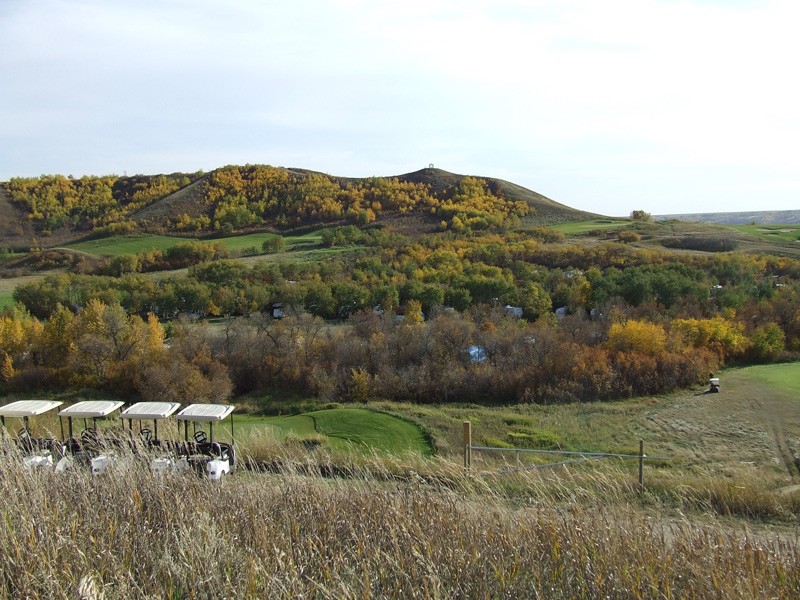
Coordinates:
[427,319]
[420,359]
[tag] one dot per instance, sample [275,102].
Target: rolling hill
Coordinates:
[51,213]
[190,200]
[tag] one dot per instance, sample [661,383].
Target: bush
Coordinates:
[704,244]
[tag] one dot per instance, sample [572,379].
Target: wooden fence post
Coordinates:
[467,444]
[641,467]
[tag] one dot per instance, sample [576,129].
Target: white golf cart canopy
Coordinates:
[28,408]
[145,411]
[205,412]
[150,410]
[88,409]
[91,409]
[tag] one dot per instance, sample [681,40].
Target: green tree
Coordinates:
[767,342]
[273,245]
[535,301]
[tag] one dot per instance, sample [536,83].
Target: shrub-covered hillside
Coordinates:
[233,198]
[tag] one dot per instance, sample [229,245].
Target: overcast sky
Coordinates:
[668,106]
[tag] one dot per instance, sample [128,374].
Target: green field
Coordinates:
[342,429]
[242,243]
[6,298]
[581,227]
[133,244]
[783,378]
[126,244]
[775,233]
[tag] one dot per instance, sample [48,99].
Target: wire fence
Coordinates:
[580,457]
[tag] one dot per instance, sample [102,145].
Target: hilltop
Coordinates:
[52,210]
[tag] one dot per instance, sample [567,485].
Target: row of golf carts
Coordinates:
[115,447]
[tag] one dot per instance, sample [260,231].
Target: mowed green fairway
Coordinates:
[782,377]
[579,227]
[6,298]
[127,244]
[343,429]
[781,233]
[133,244]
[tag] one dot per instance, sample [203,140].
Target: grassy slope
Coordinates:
[126,244]
[8,285]
[777,233]
[342,429]
[751,428]
[6,298]
[132,244]
[748,427]
[582,227]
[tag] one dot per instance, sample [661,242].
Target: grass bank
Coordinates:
[423,536]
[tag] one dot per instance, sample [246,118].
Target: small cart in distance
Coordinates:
[37,452]
[202,451]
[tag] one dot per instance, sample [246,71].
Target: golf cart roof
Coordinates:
[205,412]
[89,409]
[150,410]
[28,408]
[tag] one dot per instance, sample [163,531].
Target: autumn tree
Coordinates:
[637,336]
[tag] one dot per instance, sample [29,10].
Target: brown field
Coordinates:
[718,521]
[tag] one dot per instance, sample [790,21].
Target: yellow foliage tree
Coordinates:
[725,338]
[413,312]
[637,336]
[57,336]
[12,336]
[6,368]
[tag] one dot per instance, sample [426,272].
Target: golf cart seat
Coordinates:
[209,449]
[28,443]
[185,448]
[72,445]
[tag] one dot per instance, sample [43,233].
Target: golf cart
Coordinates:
[90,445]
[147,411]
[202,453]
[37,452]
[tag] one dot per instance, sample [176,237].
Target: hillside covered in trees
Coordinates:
[429,287]
[236,198]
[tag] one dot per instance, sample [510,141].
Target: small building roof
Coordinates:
[28,408]
[205,412]
[150,410]
[89,409]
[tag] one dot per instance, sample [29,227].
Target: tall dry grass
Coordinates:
[437,534]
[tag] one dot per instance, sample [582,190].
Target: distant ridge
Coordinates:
[775,217]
